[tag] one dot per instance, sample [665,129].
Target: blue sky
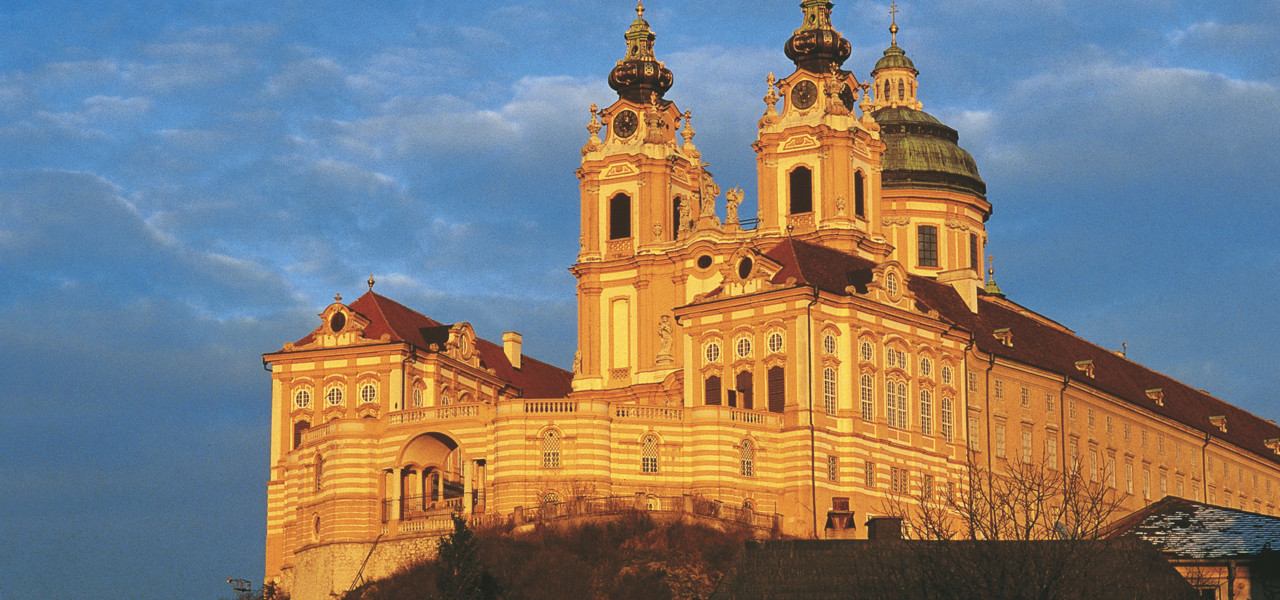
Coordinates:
[184,185]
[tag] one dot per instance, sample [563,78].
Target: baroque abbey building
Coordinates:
[791,371]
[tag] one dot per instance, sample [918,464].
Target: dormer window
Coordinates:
[338,321]
[891,284]
[1220,422]
[1272,444]
[1005,335]
[1156,394]
[1086,367]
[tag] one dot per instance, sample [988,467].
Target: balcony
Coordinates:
[452,412]
[338,427]
[755,419]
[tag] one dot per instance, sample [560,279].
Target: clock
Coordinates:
[625,124]
[804,94]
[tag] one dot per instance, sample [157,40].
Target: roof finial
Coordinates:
[640,8]
[337,297]
[991,286]
[1124,349]
[370,282]
[893,28]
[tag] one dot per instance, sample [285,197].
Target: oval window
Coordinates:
[337,321]
[744,268]
[704,261]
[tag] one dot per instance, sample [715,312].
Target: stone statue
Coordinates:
[733,198]
[577,362]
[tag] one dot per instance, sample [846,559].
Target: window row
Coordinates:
[335,395]
[800,192]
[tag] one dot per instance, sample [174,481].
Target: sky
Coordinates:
[185,185]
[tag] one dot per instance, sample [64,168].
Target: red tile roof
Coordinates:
[535,379]
[1037,342]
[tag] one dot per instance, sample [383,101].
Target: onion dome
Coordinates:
[639,76]
[921,152]
[817,46]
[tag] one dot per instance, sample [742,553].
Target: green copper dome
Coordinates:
[921,152]
[895,58]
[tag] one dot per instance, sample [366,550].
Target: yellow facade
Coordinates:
[836,350]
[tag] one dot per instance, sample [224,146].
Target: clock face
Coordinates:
[625,124]
[804,94]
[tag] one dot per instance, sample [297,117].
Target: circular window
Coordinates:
[337,321]
[302,399]
[333,396]
[704,261]
[775,342]
[829,344]
[866,351]
[744,268]
[368,393]
[926,367]
[744,347]
[946,374]
[891,284]
[713,352]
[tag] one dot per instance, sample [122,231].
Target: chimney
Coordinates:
[511,346]
[884,528]
[966,283]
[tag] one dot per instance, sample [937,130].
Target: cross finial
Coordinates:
[991,265]
[893,27]
[337,297]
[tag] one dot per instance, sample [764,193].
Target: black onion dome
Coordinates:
[639,75]
[817,46]
[921,152]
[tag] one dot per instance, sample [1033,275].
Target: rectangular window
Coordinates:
[1125,426]
[927,237]
[898,480]
[1160,443]
[974,262]
[1000,441]
[1026,397]
[777,383]
[1110,426]
[975,441]
[1128,478]
[1026,446]
[1090,417]
[867,394]
[1164,485]
[926,487]
[1146,483]
[1071,409]
[1048,404]
[869,474]
[829,390]
[973,382]
[1051,449]
[1075,456]
[833,468]
[1143,443]
[1093,464]
[1111,471]
[999,389]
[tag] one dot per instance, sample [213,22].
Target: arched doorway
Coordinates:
[433,479]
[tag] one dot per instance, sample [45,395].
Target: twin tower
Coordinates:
[851,165]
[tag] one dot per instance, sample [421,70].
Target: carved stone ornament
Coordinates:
[900,221]
[960,224]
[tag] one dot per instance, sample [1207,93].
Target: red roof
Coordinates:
[534,378]
[1037,342]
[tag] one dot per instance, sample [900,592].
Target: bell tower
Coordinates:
[643,191]
[818,161]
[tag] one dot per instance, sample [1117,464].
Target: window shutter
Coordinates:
[777,389]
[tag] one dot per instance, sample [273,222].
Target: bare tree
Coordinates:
[1019,501]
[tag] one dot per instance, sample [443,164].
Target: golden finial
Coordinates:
[370,282]
[640,8]
[337,297]
[893,27]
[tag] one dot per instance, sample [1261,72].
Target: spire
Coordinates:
[817,46]
[991,287]
[894,73]
[639,76]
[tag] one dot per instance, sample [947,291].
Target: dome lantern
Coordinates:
[816,46]
[639,76]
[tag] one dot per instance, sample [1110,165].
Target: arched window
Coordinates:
[777,389]
[319,472]
[551,449]
[895,400]
[675,217]
[927,245]
[743,387]
[944,417]
[801,180]
[829,390]
[859,194]
[926,412]
[446,396]
[867,395]
[417,396]
[886,90]
[298,428]
[550,498]
[620,217]
[649,454]
[712,391]
[747,458]
[902,91]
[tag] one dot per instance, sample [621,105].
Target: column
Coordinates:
[397,494]
[468,467]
